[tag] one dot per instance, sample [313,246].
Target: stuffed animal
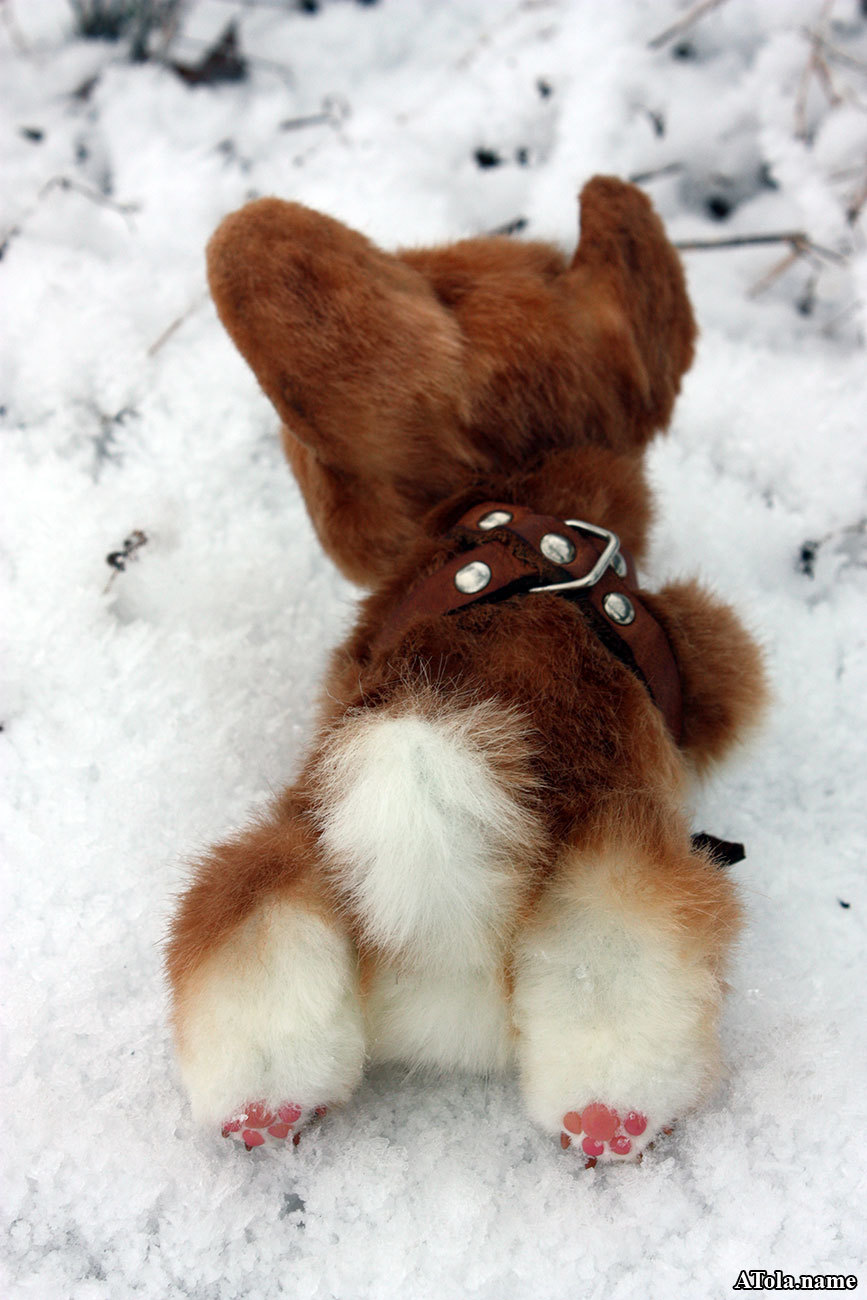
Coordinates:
[485,863]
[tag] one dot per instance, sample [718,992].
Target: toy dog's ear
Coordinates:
[350,344]
[721,670]
[631,279]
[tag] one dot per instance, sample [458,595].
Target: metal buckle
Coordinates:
[590,579]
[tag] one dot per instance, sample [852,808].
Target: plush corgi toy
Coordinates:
[485,862]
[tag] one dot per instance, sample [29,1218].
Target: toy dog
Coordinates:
[485,862]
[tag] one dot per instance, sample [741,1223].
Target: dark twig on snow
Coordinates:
[849,546]
[670,169]
[222,61]
[795,238]
[118,560]
[855,207]
[513,227]
[799,247]
[6,239]
[691,16]
[334,111]
[252,60]
[263,4]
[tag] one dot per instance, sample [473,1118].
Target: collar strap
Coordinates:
[510,547]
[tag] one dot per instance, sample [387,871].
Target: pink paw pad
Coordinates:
[256,1124]
[604,1134]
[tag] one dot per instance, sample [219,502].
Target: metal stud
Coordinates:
[473,577]
[619,608]
[495,519]
[618,564]
[557,548]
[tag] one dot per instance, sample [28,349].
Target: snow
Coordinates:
[147,713]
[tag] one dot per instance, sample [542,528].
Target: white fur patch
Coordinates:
[608,1009]
[453,1021]
[423,835]
[274,1015]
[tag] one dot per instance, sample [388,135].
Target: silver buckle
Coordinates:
[612,548]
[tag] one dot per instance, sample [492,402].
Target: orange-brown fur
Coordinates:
[400,379]
[411,386]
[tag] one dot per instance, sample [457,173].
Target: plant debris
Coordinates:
[222,62]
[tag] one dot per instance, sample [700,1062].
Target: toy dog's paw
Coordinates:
[256,1124]
[602,1134]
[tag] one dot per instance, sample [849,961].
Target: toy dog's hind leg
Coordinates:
[264,985]
[618,990]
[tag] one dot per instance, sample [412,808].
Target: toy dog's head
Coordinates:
[403,379]
[413,386]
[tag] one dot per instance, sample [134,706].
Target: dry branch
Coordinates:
[796,238]
[87,191]
[176,324]
[670,169]
[692,16]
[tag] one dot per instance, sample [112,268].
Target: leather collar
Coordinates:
[506,550]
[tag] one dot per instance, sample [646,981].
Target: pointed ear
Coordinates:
[357,355]
[631,279]
[721,670]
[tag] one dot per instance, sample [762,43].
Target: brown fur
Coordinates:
[401,378]
[414,385]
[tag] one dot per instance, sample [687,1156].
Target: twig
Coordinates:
[796,238]
[63,183]
[334,111]
[257,4]
[810,548]
[118,560]
[670,169]
[692,16]
[6,238]
[513,227]
[855,208]
[836,55]
[812,65]
[253,59]
[823,75]
[95,196]
[176,324]
[778,269]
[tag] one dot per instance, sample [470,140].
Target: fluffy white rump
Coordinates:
[424,833]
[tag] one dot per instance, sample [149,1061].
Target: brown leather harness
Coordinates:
[506,548]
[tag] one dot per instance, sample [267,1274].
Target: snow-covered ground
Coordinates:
[146,712]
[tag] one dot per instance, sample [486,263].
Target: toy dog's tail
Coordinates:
[427,823]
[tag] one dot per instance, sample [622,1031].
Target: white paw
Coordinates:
[617,1025]
[272,1018]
